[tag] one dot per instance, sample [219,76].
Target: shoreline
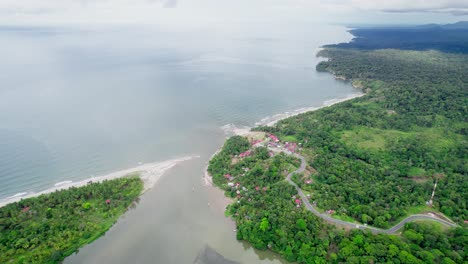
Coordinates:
[149,173]
[231,129]
[272,120]
[207,177]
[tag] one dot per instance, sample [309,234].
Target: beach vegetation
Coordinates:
[50,227]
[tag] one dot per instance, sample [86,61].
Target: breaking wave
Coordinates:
[272,120]
[21,194]
[62,183]
[231,130]
[150,173]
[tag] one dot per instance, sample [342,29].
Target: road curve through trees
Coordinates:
[375,230]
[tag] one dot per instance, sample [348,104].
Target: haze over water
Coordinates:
[79,102]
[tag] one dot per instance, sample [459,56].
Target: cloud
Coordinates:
[456,7]
[170,4]
[189,12]
[460,12]
[453,11]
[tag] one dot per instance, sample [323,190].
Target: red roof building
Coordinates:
[291,147]
[245,154]
[273,137]
[255,142]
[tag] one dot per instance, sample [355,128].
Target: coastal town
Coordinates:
[276,146]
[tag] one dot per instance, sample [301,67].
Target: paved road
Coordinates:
[328,217]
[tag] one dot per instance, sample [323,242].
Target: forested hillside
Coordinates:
[379,156]
[451,38]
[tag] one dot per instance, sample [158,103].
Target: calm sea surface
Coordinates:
[75,103]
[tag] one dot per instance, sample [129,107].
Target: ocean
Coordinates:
[77,103]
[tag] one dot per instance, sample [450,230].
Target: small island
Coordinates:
[50,227]
[376,179]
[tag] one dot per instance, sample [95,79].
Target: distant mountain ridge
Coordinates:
[458,25]
[451,38]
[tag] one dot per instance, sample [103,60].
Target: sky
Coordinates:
[198,12]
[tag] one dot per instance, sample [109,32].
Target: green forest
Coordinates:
[374,160]
[50,227]
[377,157]
[268,216]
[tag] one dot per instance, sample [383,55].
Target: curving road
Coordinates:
[328,218]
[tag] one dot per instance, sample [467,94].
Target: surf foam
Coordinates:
[272,120]
[150,173]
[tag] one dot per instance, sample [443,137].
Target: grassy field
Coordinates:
[344,217]
[375,139]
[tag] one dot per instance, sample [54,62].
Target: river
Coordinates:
[81,102]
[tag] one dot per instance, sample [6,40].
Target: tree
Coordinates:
[301,224]
[264,225]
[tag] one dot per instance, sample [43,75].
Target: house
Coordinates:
[290,146]
[228,176]
[108,201]
[298,201]
[273,138]
[25,209]
[331,211]
[255,142]
[245,154]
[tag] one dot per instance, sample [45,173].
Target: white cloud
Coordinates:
[405,6]
[195,11]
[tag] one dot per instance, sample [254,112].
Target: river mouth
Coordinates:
[97,101]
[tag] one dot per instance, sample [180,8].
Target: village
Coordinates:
[270,141]
[275,146]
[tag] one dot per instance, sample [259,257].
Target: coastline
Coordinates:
[272,120]
[231,129]
[149,173]
[207,177]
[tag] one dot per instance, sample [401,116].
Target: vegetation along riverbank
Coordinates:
[50,227]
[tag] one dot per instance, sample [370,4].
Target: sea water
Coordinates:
[79,103]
